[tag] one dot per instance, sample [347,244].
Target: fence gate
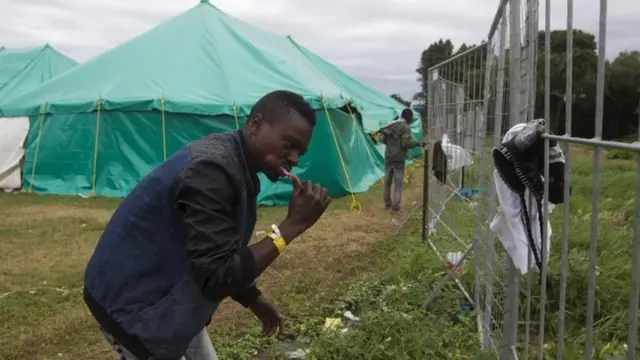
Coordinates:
[473,100]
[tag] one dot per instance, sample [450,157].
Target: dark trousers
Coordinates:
[393,174]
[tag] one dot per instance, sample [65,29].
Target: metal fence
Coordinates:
[473,98]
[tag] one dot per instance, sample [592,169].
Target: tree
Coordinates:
[469,73]
[622,87]
[399,99]
[585,63]
[623,95]
[436,53]
[622,82]
[469,76]
[419,96]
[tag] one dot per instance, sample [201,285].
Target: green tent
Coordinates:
[111,120]
[377,108]
[25,69]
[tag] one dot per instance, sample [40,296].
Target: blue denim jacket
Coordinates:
[140,274]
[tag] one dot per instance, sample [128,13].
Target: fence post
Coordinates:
[632,331]
[425,191]
[512,296]
[497,130]
[564,265]
[427,132]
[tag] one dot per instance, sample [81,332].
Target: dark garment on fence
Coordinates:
[439,162]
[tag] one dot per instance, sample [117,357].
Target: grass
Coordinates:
[616,212]
[46,241]
[616,203]
[384,281]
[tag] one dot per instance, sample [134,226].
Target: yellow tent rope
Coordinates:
[95,149]
[164,131]
[355,205]
[235,114]
[35,155]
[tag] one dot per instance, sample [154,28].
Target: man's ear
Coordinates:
[256,122]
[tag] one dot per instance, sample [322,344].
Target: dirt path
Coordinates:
[339,237]
[46,241]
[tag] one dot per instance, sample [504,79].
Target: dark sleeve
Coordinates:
[382,137]
[407,140]
[205,196]
[246,297]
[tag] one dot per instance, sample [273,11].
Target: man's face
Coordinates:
[279,143]
[408,117]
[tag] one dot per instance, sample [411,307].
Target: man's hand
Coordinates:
[269,315]
[308,202]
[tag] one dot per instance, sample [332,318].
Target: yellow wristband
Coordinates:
[279,242]
[277,239]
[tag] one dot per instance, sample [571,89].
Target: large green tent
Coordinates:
[377,108]
[24,69]
[20,71]
[102,126]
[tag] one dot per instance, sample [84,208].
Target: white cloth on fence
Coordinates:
[457,156]
[508,225]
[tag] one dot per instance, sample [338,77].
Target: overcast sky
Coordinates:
[377,41]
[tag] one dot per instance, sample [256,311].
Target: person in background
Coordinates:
[397,138]
[177,245]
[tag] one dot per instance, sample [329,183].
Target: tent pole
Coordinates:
[95,150]
[164,131]
[43,108]
[235,115]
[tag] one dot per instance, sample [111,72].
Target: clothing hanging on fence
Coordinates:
[519,181]
[509,226]
[439,162]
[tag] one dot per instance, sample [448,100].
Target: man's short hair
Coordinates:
[406,113]
[280,103]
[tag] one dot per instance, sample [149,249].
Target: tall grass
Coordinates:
[394,326]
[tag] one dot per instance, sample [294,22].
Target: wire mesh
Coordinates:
[459,130]
[473,99]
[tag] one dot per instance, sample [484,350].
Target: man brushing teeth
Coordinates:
[178,243]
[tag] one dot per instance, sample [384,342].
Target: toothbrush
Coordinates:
[287,174]
[291,177]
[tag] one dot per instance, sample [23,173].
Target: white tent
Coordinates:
[12,139]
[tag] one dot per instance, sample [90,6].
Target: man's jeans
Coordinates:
[200,348]
[393,173]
